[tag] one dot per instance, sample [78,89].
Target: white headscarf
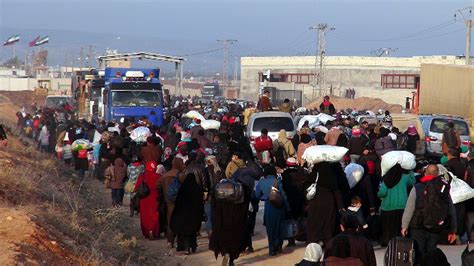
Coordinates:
[313,252]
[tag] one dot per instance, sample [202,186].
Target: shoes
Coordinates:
[273,253]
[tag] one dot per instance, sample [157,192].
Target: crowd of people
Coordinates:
[177,178]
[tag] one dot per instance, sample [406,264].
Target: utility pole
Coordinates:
[321,30]
[468,22]
[235,70]
[227,44]
[89,57]
[81,57]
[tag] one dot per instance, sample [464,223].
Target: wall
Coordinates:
[342,72]
[20,84]
[447,89]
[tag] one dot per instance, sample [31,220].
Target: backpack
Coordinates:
[401,142]
[229,191]
[434,196]
[450,138]
[173,189]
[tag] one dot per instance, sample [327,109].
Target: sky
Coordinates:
[262,27]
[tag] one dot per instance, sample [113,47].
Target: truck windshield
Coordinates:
[136,98]
[57,101]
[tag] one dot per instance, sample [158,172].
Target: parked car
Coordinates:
[273,121]
[433,127]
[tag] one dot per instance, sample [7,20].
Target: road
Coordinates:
[290,256]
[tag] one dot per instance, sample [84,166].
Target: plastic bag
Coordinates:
[324,118]
[354,173]
[323,153]
[210,124]
[140,134]
[312,119]
[460,190]
[194,114]
[390,159]
[81,144]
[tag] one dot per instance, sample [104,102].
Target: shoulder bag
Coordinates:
[311,190]
[275,198]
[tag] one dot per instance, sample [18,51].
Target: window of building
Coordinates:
[286,77]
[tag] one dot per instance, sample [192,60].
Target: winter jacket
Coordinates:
[395,198]
[44,136]
[233,166]
[357,145]
[264,104]
[383,145]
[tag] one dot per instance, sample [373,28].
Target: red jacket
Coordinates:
[263,143]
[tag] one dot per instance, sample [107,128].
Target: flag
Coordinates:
[42,41]
[13,39]
[33,42]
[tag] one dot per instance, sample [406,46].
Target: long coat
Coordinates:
[149,217]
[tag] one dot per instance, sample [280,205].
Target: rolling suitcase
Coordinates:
[400,252]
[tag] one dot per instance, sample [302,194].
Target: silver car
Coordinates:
[433,127]
[273,121]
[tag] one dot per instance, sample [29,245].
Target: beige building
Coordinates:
[390,78]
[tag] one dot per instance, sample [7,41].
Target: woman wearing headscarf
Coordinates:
[412,138]
[238,142]
[272,217]
[215,175]
[322,209]
[394,196]
[286,145]
[163,186]
[312,255]
[293,179]
[187,214]
[149,217]
[305,143]
[230,232]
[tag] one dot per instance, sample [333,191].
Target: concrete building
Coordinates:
[390,78]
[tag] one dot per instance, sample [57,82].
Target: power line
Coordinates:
[321,30]
[203,52]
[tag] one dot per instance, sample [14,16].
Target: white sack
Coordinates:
[354,173]
[460,190]
[210,124]
[324,118]
[312,119]
[323,153]
[404,158]
[194,114]
[140,134]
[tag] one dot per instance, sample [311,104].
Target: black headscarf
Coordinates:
[393,176]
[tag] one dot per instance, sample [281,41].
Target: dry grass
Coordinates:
[70,210]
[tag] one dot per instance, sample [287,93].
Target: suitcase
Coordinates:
[400,252]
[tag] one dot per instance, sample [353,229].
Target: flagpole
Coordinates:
[14,51]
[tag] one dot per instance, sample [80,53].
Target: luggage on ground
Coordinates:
[400,252]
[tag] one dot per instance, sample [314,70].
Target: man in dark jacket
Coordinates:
[360,247]
[426,240]
[327,107]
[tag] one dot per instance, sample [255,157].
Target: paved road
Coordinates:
[290,256]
